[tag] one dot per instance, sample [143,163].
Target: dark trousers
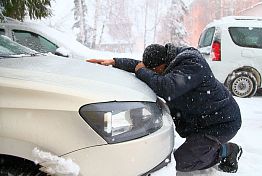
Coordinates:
[199,151]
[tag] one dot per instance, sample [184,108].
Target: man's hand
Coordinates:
[105,62]
[140,65]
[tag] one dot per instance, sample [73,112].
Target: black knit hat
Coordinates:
[154,55]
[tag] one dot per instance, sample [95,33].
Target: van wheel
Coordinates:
[242,84]
[18,167]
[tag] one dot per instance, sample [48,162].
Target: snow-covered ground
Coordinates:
[249,137]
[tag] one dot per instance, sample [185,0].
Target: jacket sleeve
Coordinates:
[126,64]
[183,78]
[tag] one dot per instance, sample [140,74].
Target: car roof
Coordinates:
[44,30]
[237,21]
[60,39]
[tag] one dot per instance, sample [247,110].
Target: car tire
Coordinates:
[20,167]
[242,84]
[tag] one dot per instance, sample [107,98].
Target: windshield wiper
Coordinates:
[8,56]
[37,54]
[21,55]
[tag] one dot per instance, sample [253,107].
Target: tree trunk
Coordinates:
[82,22]
[145,27]
[95,23]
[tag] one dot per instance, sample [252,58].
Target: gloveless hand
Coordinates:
[105,62]
[139,65]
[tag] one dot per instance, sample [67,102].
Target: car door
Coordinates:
[247,46]
[205,41]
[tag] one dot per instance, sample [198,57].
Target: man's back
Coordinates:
[207,103]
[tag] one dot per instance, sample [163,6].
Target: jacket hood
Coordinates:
[173,51]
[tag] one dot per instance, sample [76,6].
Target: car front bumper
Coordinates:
[132,158]
[159,166]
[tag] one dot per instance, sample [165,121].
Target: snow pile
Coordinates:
[53,164]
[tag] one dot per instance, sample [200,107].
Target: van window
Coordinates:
[206,37]
[2,32]
[34,41]
[246,36]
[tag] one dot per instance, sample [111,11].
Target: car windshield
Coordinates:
[10,48]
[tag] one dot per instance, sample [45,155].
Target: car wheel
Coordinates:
[242,84]
[11,167]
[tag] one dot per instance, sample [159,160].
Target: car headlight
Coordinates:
[122,121]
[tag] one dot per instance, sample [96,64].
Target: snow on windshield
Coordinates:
[8,47]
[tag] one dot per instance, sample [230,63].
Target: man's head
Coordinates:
[154,55]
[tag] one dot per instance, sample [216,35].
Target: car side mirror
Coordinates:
[61,52]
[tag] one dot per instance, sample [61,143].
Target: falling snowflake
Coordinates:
[189,77]
[178,114]
[208,92]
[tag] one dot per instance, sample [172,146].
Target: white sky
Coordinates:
[249,137]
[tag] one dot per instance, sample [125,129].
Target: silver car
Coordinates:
[44,39]
[102,120]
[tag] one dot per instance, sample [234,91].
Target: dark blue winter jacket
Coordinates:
[197,101]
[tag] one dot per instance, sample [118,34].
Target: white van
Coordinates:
[233,48]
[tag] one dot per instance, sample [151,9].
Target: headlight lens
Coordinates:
[122,121]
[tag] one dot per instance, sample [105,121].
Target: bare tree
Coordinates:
[119,23]
[172,25]
[156,21]
[145,21]
[80,11]
[97,9]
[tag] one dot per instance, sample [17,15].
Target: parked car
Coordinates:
[233,47]
[105,120]
[44,39]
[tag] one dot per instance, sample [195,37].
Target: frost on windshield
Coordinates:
[55,165]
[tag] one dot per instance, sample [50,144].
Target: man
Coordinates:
[204,111]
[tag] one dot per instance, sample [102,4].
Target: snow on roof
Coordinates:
[235,20]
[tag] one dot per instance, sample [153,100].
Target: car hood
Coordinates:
[92,82]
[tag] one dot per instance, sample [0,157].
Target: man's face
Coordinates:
[159,69]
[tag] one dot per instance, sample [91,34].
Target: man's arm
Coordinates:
[126,64]
[121,63]
[174,84]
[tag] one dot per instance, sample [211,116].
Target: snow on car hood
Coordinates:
[93,82]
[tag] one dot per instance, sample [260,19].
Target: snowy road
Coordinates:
[249,137]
